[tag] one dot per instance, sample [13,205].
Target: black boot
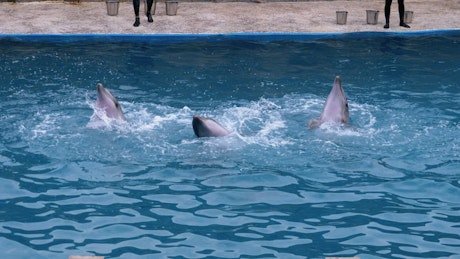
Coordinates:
[149,17]
[137,22]
[403,24]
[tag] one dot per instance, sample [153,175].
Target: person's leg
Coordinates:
[387,13]
[401,14]
[149,8]
[136,4]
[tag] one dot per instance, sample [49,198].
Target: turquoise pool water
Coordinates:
[388,187]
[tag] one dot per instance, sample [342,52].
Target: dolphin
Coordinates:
[109,104]
[335,109]
[206,127]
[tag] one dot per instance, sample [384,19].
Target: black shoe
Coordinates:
[149,17]
[386,26]
[136,23]
[403,24]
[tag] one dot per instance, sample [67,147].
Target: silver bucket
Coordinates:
[372,16]
[342,17]
[408,15]
[154,7]
[112,7]
[171,7]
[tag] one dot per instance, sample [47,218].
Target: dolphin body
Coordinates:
[206,127]
[109,104]
[335,109]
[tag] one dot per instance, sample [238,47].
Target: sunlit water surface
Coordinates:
[386,187]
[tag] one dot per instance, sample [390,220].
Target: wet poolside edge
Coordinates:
[172,38]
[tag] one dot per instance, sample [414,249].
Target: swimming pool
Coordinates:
[388,187]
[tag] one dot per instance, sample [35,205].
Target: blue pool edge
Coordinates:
[259,36]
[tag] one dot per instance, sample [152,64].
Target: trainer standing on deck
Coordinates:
[136,4]
[401,14]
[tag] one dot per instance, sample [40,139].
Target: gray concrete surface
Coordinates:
[60,17]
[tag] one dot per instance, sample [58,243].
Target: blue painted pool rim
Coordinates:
[177,38]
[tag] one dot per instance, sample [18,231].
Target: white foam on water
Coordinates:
[260,123]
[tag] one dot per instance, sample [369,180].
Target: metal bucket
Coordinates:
[372,16]
[171,7]
[342,17]
[408,15]
[154,7]
[112,7]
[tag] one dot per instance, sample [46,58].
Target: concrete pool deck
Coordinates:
[60,17]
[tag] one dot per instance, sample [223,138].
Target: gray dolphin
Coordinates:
[335,109]
[206,127]
[106,102]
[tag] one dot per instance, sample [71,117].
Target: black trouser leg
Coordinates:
[149,6]
[387,10]
[136,4]
[401,10]
[149,10]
